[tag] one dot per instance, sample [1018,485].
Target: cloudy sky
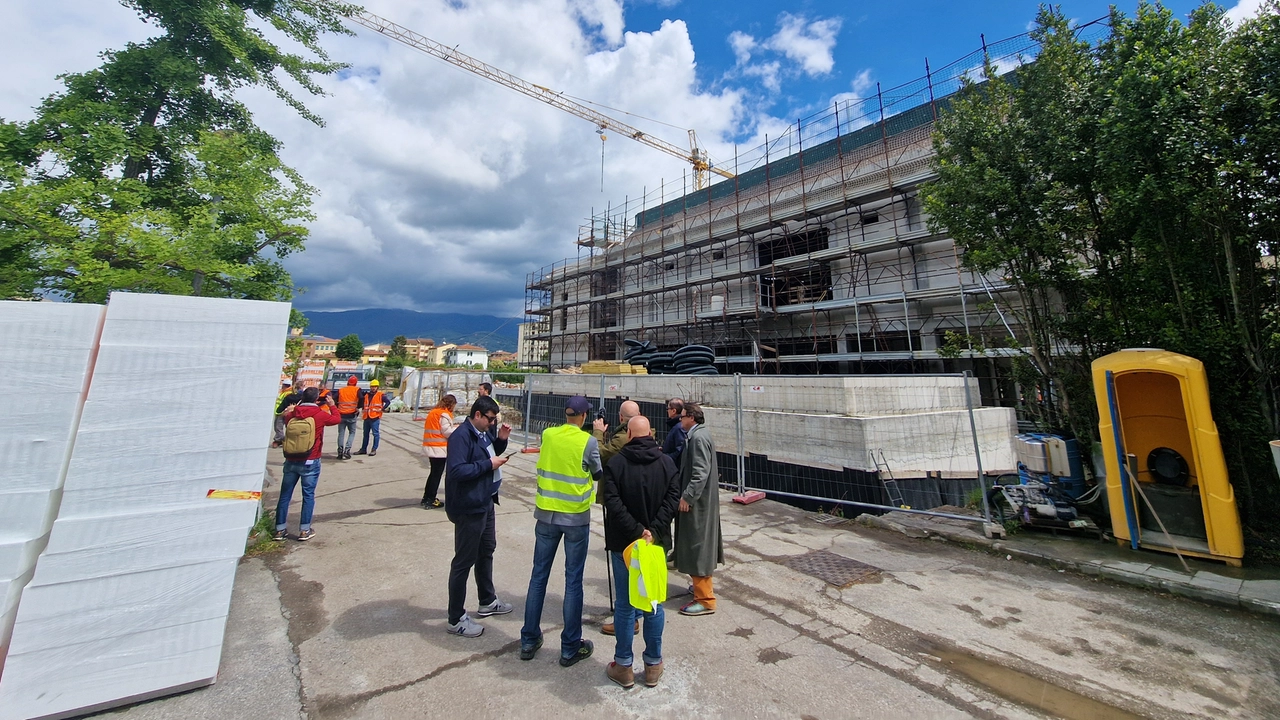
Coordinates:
[440,191]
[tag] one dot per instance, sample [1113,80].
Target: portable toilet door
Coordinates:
[1159,438]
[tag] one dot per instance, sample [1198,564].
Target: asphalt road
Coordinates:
[352,625]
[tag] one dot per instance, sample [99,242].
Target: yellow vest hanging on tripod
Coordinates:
[563,486]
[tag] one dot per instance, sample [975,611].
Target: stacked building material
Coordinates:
[129,599]
[695,360]
[661,363]
[638,352]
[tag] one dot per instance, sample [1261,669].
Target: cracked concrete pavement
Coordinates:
[352,625]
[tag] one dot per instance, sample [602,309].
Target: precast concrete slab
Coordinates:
[869,395]
[911,444]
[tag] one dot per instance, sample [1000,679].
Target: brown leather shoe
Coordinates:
[652,673]
[607,628]
[624,676]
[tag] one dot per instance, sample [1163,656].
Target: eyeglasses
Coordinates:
[491,418]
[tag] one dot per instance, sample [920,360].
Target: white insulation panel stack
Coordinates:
[46,353]
[130,598]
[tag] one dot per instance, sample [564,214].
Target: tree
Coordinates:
[298,320]
[349,348]
[88,236]
[147,174]
[396,355]
[1128,193]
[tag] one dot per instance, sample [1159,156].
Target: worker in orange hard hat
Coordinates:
[348,404]
[373,402]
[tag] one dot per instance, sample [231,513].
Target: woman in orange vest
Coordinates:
[435,436]
[374,403]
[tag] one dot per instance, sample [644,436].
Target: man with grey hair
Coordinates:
[698,543]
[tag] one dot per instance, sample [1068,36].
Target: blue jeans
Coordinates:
[309,473]
[370,424]
[575,561]
[347,428]
[624,617]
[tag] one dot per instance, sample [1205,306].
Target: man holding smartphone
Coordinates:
[472,481]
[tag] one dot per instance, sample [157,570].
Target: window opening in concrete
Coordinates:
[791,245]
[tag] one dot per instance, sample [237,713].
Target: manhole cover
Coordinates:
[835,569]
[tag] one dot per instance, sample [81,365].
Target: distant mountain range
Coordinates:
[382,325]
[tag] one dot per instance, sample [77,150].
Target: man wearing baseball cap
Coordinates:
[568,468]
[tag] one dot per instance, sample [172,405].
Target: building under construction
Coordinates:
[816,257]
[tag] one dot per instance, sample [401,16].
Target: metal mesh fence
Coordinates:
[848,443]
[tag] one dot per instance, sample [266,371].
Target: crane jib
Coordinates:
[695,155]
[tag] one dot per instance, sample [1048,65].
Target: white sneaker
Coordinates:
[497,607]
[466,627]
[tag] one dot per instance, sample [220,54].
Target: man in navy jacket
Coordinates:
[472,479]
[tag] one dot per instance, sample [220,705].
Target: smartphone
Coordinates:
[513,452]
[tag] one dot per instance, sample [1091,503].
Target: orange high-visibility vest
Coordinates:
[348,400]
[432,433]
[373,405]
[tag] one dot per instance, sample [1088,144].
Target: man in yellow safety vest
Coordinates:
[568,468]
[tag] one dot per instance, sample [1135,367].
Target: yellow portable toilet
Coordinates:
[1158,431]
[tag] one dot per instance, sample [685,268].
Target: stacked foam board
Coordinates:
[46,353]
[130,598]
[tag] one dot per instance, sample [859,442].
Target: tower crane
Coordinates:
[695,156]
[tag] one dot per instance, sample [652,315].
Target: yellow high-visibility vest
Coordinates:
[563,486]
[647,574]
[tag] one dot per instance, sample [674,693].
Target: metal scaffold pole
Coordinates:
[977,452]
[737,392]
[528,408]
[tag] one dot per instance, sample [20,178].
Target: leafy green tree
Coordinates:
[298,320]
[147,174]
[349,348]
[396,355]
[1127,192]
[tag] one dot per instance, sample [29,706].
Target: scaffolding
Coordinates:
[816,257]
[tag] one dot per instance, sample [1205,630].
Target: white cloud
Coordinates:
[439,190]
[808,43]
[742,45]
[805,45]
[1243,10]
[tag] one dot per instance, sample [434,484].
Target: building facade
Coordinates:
[819,261]
[468,355]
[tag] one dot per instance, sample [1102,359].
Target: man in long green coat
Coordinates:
[698,545]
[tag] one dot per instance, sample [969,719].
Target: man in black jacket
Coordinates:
[641,495]
[472,479]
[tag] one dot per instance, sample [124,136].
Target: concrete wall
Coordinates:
[920,423]
[859,395]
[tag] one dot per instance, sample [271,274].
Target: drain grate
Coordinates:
[835,569]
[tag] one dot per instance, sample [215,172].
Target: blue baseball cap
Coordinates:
[578,405]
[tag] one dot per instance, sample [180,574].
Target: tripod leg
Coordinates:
[608,572]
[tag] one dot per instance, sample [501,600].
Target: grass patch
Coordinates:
[973,500]
[259,541]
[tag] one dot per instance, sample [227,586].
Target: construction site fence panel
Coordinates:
[841,444]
